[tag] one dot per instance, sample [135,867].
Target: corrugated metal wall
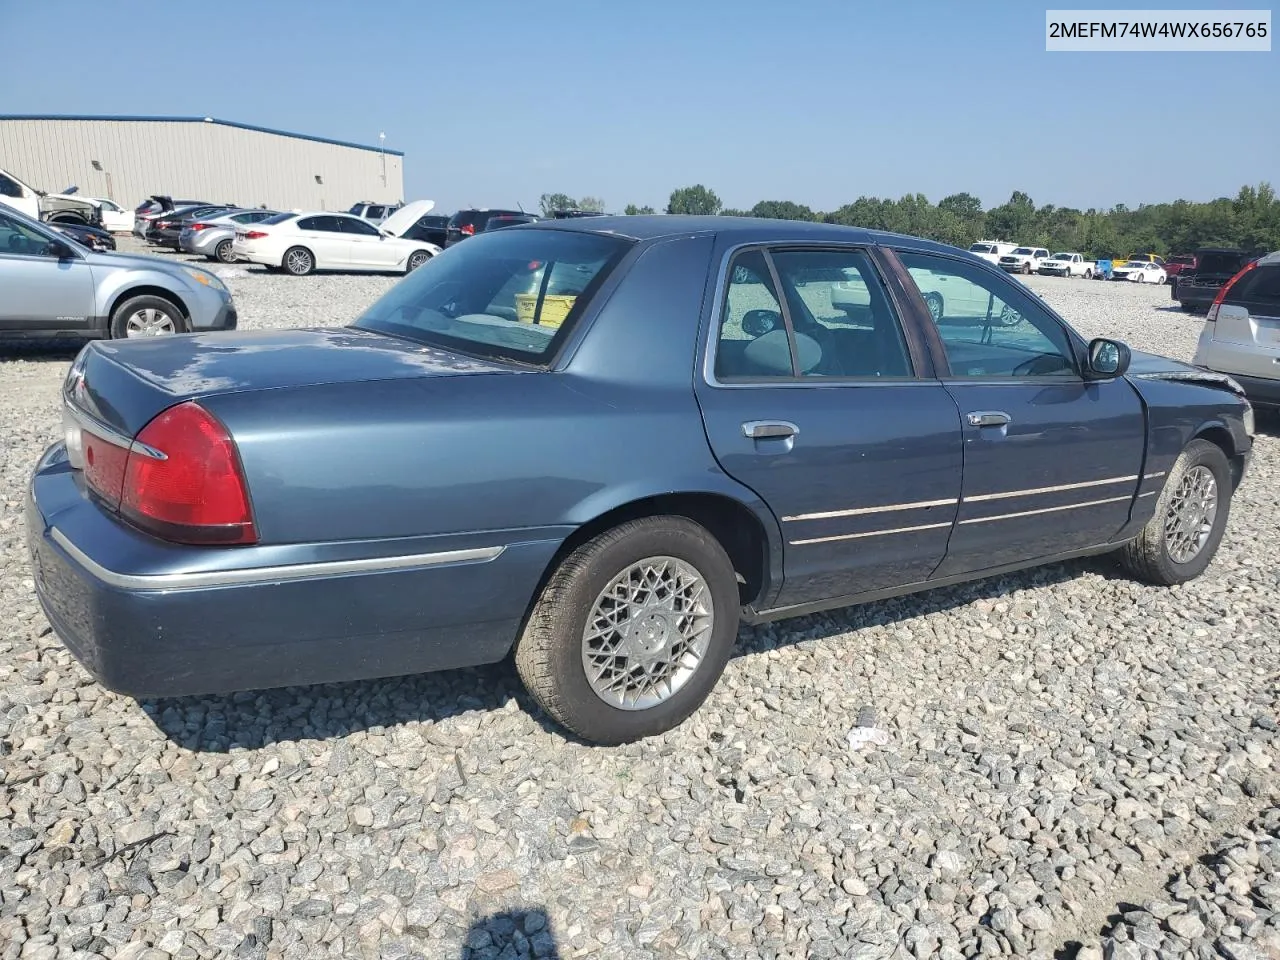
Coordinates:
[201,161]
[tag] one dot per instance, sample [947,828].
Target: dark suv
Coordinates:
[1197,286]
[467,223]
[432,228]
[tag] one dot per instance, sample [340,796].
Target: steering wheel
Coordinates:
[1038,366]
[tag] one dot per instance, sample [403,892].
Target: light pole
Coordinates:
[382,149]
[97,165]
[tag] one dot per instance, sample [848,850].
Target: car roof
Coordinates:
[741,229]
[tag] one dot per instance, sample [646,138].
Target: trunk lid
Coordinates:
[125,383]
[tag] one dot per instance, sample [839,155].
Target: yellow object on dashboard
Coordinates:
[555,307]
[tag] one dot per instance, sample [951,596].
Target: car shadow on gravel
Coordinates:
[52,350]
[256,719]
[523,932]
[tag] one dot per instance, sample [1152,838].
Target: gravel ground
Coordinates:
[1071,765]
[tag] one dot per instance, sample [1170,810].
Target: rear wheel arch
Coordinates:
[736,526]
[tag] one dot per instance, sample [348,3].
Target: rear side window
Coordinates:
[511,295]
[1257,289]
[375,213]
[837,320]
[8,188]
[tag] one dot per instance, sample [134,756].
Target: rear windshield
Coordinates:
[1220,262]
[1023,250]
[981,248]
[1186,261]
[509,295]
[278,218]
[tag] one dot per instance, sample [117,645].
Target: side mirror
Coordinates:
[1108,358]
[383,234]
[757,323]
[59,250]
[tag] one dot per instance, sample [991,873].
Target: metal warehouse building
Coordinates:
[127,159]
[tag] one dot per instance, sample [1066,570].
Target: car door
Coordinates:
[323,235]
[113,218]
[1052,462]
[38,289]
[830,413]
[368,248]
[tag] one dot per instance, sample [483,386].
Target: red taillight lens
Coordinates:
[1225,289]
[194,491]
[468,228]
[104,467]
[201,226]
[254,235]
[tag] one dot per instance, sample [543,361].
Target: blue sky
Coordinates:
[818,101]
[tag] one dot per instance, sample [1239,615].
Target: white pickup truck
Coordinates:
[1023,259]
[1067,265]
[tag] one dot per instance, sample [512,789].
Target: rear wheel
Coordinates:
[146,316]
[1180,540]
[1088,274]
[223,251]
[299,261]
[933,300]
[632,631]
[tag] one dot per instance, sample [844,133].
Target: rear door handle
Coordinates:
[769,429]
[988,418]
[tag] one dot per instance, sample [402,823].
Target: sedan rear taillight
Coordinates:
[255,235]
[201,226]
[1212,315]
[469,229]
[180,479]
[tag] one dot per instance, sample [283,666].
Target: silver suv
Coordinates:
[373,212]
[1241,334]
[54,287]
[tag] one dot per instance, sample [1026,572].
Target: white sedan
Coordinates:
[1140,272]
[302,242]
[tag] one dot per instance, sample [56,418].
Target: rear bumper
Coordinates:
[135,613]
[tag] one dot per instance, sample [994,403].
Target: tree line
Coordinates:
[1250,220]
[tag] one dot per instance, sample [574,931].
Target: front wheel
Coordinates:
[1026,268]
[416,259]
[933,300]
[1180,540]
[146,316]
[632,631]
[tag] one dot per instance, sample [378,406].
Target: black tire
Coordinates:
[223,251]
[1026,268]
[933,300]
[127,309]
[549,654]
[1088,274]
[298,261]
[1146,557]
[416,259]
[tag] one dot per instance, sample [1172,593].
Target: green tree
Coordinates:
[591,204]
[632,210]
[556,201]
[696,200]
[782,210]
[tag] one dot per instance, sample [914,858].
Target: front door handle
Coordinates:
[988,418]
[769,429]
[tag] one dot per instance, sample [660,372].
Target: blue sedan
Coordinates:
[601,444]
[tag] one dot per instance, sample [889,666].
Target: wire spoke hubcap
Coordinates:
[647,633]
[149,322]
[1192,512]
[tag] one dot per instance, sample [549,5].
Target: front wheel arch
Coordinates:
[147,291]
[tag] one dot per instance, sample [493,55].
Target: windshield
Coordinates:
[1062,256]
[510,295]
[1023,250]
[981,248]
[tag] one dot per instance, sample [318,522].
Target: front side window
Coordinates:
[989,328]
[512,295]
[19,239]
[357,227]
[841,322]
